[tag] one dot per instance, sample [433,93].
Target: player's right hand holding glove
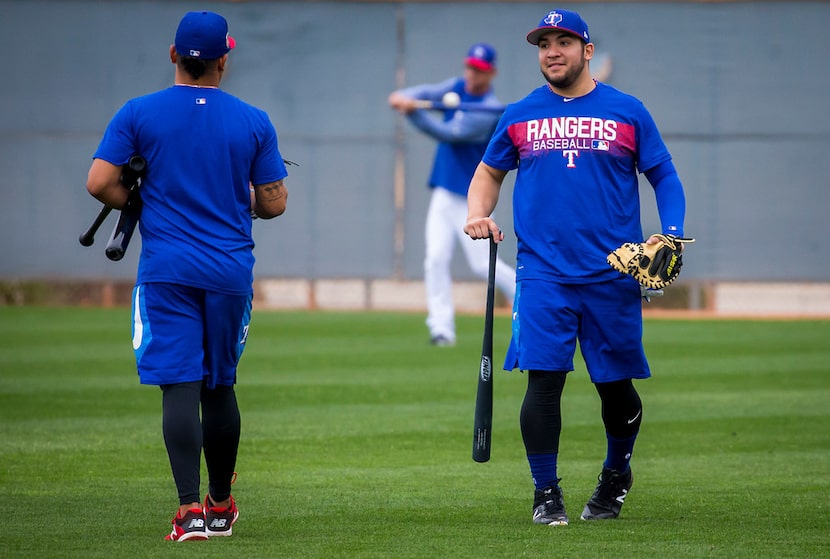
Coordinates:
[653,264]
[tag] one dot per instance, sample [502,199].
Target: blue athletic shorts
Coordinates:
[187,334]
[606,318]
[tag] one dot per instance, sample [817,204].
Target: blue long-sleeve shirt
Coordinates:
[462,135]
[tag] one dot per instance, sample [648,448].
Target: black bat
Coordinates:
[88,237]
[131,175]
[483,425]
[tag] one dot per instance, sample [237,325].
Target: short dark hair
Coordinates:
[196,67]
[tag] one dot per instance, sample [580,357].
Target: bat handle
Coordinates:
[491,280]
[88,237]
[124,227]
[137,164]
[423,104]
[121,235]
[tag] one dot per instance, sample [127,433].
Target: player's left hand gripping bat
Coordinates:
[131,176]
[483,425]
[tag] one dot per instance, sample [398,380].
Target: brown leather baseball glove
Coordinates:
[653,265]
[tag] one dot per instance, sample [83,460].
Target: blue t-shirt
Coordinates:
[576,194]
[462,135]
[203,148]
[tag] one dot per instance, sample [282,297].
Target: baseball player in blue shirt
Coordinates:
[462,138]
[578,146]
[212,162]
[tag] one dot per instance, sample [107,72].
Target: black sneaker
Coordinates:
[548,507]
[608,498]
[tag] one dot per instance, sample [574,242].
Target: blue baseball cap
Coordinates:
[481,56]
[562,20]
[203,35]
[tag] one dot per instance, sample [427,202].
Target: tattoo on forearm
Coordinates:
[271,192]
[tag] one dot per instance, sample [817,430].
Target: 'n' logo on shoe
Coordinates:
[218,523]
[621,498]
[196,523]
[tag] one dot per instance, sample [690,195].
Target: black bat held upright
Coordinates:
[483,425]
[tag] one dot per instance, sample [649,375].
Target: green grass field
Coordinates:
[356,442]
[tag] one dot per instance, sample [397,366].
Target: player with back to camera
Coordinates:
[192,299]
[578,146]
[462,138]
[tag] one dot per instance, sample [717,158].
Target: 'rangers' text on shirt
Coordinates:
[559,133]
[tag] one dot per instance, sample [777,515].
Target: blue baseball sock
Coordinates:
[543,469]
[619,452]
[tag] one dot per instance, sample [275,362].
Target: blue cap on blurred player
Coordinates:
[203,35]
[561,20]
[481,56]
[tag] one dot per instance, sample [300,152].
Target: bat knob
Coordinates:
[137,164]
[114,253]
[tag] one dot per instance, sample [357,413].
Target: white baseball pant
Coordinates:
[445,221]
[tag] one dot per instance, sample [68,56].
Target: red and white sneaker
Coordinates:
[191,526]
[219,521]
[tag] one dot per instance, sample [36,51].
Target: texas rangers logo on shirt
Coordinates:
[570,132]
[572,136]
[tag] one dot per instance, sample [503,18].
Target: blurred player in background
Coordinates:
[578,146]
[192,299]
[602,65]
[462,138]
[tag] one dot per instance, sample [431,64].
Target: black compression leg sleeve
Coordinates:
[220,432]
[622,410]
[183,437]
[541,415]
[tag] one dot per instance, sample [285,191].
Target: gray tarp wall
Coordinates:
[738,89]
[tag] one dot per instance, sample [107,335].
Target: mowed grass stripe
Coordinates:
[357,440]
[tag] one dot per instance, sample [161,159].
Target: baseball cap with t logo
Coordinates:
[560,20]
